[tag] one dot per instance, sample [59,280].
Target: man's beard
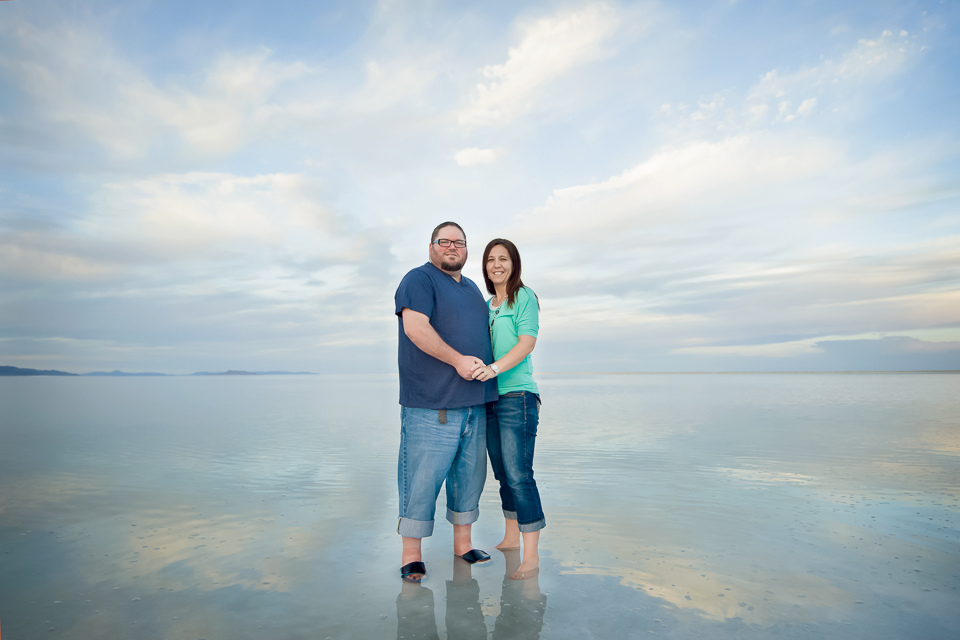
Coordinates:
[455,266]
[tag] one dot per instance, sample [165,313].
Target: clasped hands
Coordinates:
[472,368]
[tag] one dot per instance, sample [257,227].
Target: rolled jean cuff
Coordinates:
[415,528]
[462,517]
[533,526]
[509,515]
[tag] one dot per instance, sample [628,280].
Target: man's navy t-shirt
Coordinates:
[458,314]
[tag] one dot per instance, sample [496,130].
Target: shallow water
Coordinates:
[706,506]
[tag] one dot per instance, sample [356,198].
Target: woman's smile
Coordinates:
[498,265]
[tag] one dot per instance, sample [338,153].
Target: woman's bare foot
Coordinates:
[531,557]
[521,574]
[529,567]
[511,535]
[511,560]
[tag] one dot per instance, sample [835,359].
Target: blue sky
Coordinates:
[700,186]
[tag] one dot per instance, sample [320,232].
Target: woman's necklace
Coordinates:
[497,312]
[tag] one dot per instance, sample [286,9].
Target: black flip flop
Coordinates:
[475,556]
[412,568]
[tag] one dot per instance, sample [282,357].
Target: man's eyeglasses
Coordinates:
[443,242]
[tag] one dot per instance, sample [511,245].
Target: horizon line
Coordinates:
[641,373]
[539,373]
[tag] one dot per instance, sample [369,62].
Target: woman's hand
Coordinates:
[484,373]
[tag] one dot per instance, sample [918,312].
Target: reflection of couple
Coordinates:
[521,607]
[455,407]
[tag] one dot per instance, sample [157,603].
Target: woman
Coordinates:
[512,420]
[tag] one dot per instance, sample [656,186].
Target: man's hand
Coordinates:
[466,366]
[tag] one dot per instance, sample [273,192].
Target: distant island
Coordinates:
[17,371]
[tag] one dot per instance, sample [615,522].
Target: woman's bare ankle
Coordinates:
[509,543]
[530,562]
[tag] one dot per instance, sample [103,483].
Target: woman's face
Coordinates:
[499,266]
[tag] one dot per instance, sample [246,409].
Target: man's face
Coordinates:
[448,258]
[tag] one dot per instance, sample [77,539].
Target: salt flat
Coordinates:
[710,506]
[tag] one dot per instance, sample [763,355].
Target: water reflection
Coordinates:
[519,613]
[522,605]
[464,617]
[416,618]
[689,507]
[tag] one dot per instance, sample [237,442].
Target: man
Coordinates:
[443,434]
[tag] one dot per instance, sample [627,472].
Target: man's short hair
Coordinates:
[436,231]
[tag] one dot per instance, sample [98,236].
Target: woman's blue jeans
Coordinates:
[511,433]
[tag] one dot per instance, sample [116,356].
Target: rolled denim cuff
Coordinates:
[462,517]
[509,515]
[533,526]
[415,528]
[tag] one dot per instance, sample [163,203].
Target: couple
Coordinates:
[455,406]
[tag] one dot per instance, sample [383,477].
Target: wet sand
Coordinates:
[807,506]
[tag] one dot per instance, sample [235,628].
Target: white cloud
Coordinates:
[19,259]
[473,156]
[706,110]
[773,99]
[869,60]
[268,226]
[391,82]
[904,341]
[676,181]
[786,115]
[757,234]
[806,107]
[550,47]
[77,80]
[743,224]
[195,210]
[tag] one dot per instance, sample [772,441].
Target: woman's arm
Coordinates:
[510,359]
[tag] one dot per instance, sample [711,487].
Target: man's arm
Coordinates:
[421,333]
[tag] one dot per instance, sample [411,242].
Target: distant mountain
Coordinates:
[233,372]
[17,371]
[121,374]
[116,373]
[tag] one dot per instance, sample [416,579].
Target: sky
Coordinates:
[693,186]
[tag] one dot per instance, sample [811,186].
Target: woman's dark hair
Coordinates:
[514,283]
